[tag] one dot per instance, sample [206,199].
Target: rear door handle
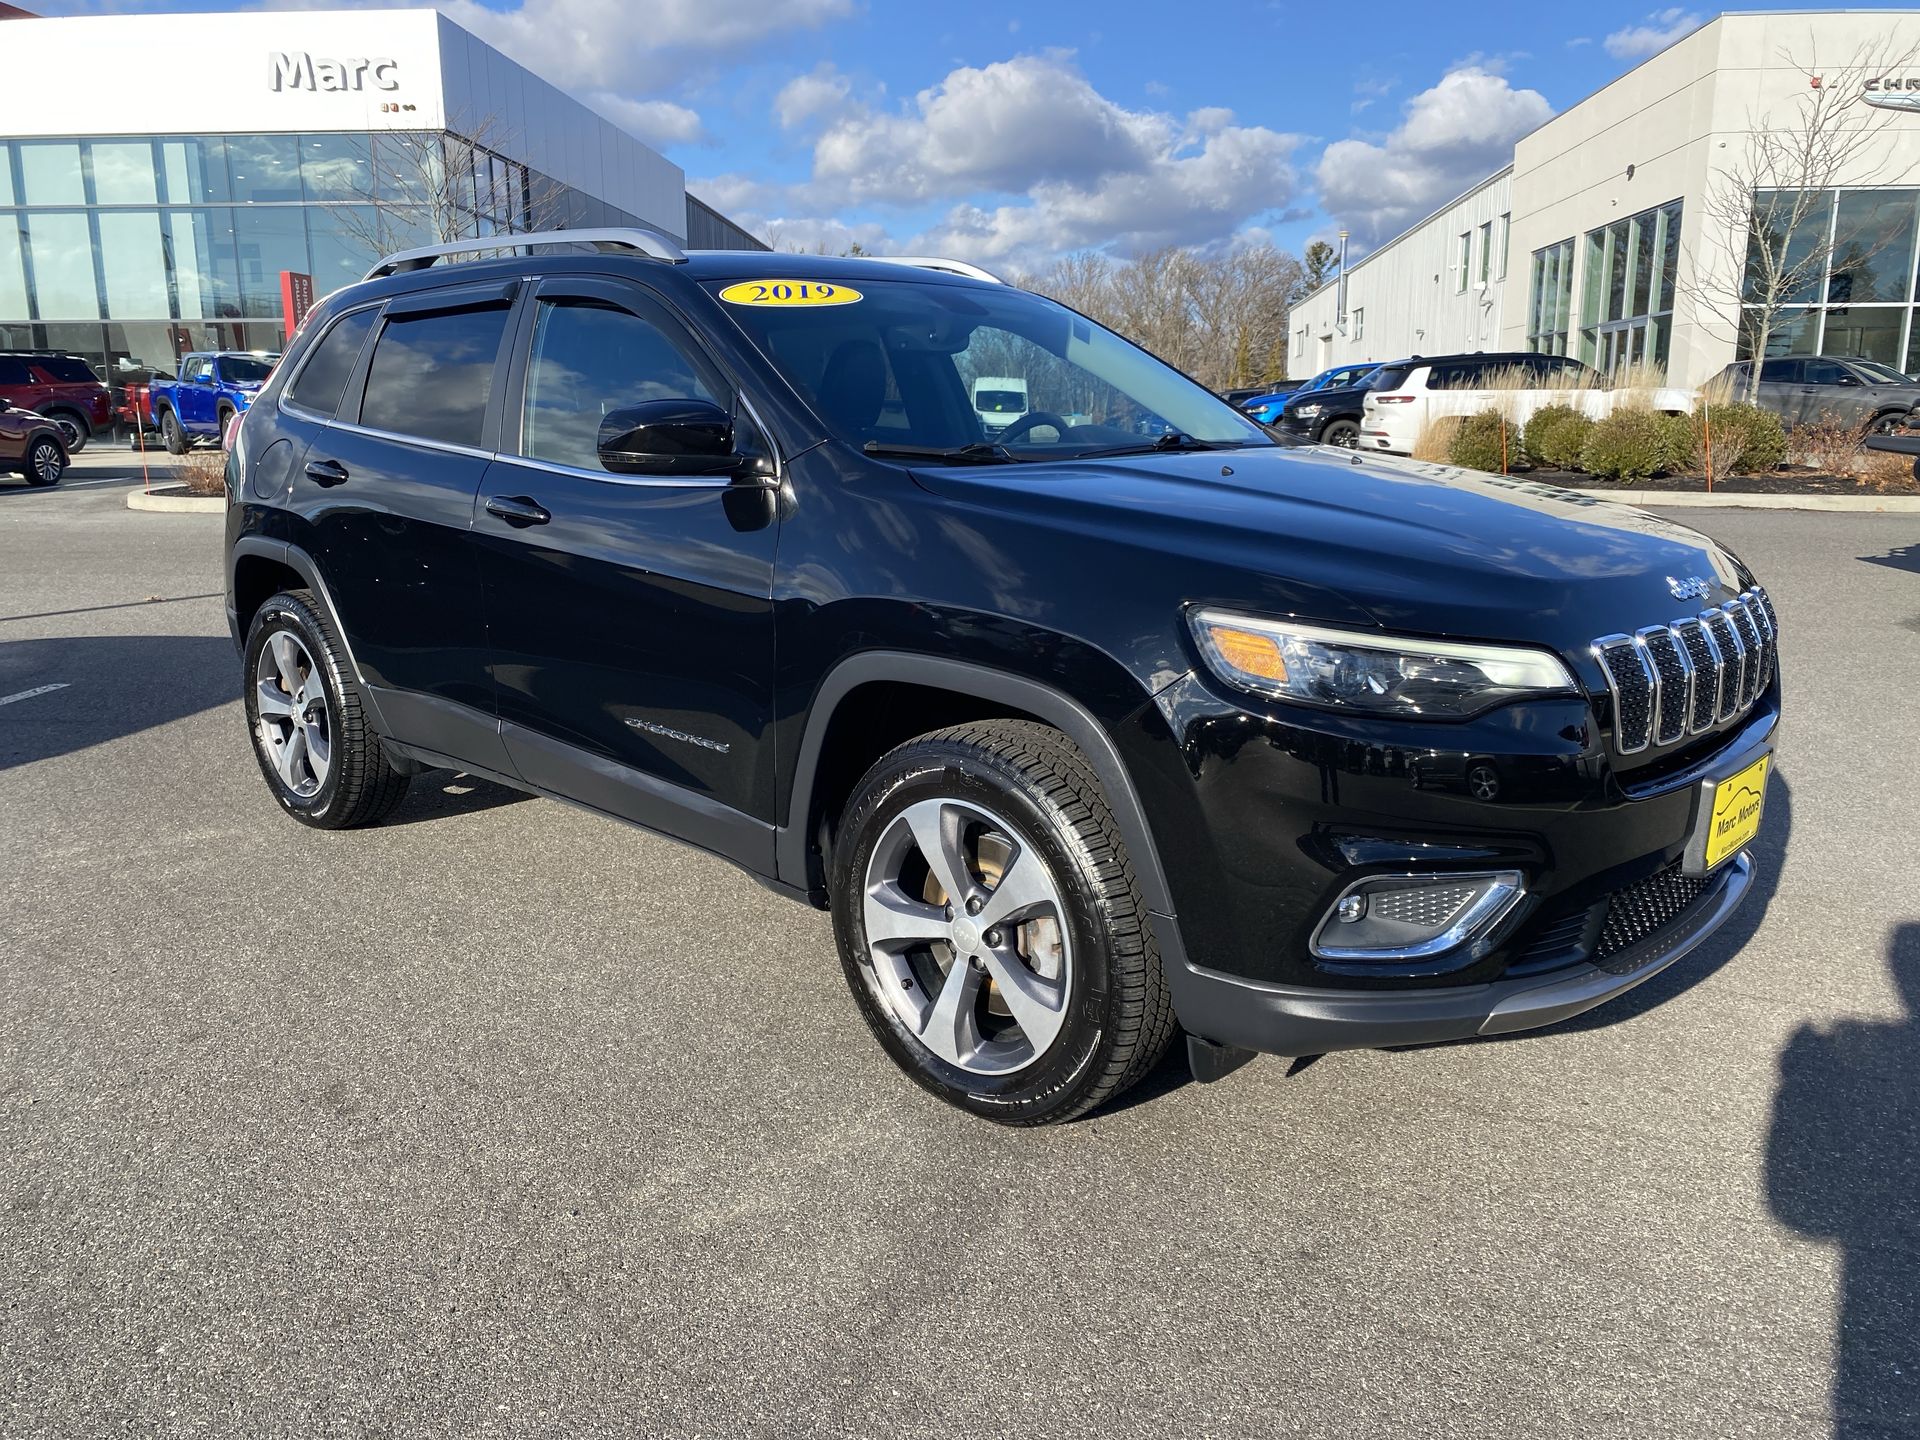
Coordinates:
[518,511]
[326,472]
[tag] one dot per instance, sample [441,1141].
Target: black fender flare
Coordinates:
[302,564]
[963,677]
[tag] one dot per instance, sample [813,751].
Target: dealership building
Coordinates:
[162,175]
[1610,236]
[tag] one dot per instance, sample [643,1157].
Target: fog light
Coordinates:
[1386,918]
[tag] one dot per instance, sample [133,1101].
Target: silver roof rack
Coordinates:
[935,262]
[644,242]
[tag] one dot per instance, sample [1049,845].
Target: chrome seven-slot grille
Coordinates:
[1686,677]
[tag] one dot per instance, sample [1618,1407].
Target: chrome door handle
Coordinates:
[326,472]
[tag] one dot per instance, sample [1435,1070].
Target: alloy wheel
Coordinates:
[968,936]
[46,462]
[295,728]
[70,432]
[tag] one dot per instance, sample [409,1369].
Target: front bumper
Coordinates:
[1288,1020]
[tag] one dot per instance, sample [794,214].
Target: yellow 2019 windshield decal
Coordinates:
[788,292]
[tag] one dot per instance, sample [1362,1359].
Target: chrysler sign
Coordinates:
[300,71]
[1892,93]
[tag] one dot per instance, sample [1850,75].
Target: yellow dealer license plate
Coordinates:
[1735,817]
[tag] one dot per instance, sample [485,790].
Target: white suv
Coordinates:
[1407,395]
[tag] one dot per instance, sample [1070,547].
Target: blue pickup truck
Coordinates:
[213,387]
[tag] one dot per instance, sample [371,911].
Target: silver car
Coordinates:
[1804,390]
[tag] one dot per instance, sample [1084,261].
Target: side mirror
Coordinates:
[5,404]
[669,437]
[1849,380]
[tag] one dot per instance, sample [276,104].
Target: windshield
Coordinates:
[1880,374]
[897,367]
[246,370]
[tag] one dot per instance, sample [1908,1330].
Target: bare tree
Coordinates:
[429,187]
[1769,234]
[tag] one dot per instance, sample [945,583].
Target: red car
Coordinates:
[61,387]
[30,444]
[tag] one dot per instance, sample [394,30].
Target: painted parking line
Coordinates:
[29,694]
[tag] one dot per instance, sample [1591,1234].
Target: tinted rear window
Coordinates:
[13,371]
[432,374]
[1389,377]
[324,377]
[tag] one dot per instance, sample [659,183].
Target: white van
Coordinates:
[999,400]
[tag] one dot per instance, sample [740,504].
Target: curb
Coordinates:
[173,499]
[1856,504]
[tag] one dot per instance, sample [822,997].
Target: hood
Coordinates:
[1426,549]
[1335,395]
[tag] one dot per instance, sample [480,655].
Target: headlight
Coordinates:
[1307,412]
[1378,674]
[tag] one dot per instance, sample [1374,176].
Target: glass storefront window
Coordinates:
[1871,332]
[267,241]
[140,347]
[1550,306]
[61,250]
[13,272]
[1627,293]
[1793,332]
[205,276]
[1791,233]
[343,245]
[133,261]
[1872,247]
[263,168]
[195,171]
[336,167]
[50,173]
[6,174]
[123,172]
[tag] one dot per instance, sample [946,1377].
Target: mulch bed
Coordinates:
[1788,480]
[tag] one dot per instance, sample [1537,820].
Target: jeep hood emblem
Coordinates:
[1691,587]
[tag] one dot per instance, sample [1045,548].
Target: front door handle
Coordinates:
[518,511]
[326,472]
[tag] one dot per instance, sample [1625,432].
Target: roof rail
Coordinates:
[645,242]
[935,262]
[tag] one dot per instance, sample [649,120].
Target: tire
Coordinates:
[356,785]
[224,415]
[1082,959]
[171,435]
[1886,422]
[1343,433]
[74,431]
[44,463]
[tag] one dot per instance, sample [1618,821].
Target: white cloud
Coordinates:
[616,46]
[1030,159]
[1458,132]
[1661,29]
[818,95]
[658,122]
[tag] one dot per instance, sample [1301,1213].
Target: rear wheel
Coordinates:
[990,927]
[1344,433]
[318,754]
[44,463]
[73,430]
[1887,422]
[171,435]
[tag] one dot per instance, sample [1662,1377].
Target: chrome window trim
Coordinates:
[445,446]
[661,482]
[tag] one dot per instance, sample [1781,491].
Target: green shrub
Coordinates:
[1555,436]
[1485,442]
[1679,444]
[1626,446]
[1744,437]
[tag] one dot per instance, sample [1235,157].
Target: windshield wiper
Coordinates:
[978,453]
[1172,440]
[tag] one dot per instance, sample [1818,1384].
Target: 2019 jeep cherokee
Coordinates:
[1083,737]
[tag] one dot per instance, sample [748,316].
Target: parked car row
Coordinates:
[1843,389]
[61,387]
[31,444]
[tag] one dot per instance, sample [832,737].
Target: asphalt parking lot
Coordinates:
[504,1119]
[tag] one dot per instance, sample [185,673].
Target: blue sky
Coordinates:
[1015,132]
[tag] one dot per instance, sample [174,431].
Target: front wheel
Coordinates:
[1887,423]
[45,464]
[318,754]
[1344,433]
[990,927]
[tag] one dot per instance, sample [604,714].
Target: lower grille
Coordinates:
[1645,908]
[1684,678]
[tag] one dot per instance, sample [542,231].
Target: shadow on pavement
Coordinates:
[1901,557]
[112,686]
[1843,1165]
[441,793]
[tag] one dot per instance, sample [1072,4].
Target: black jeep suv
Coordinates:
[1122,722]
